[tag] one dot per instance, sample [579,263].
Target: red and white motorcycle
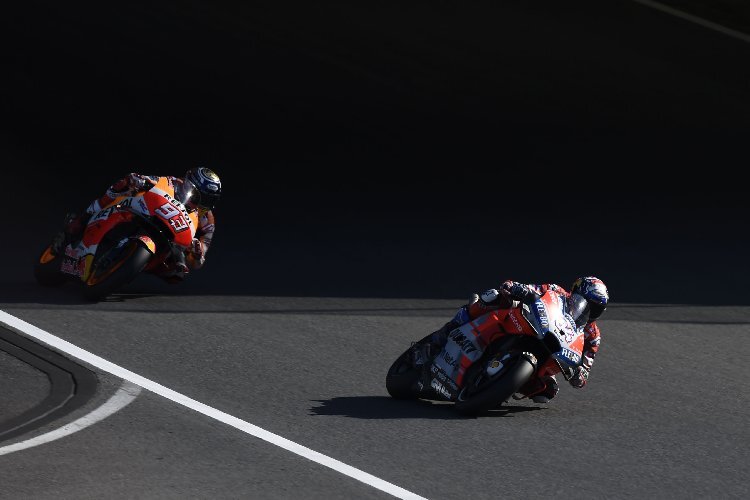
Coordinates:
[486,361]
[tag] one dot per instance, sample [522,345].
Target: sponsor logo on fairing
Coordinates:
[570,355]
[449,359]
[103,214]
[515,321]
[440,389]
[541,313]
[444,379]
[466,344]
[68,266]
[567,327]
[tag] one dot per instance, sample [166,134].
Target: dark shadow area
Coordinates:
[379,408]
[376,149]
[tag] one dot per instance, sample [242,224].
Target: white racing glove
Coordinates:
[197,248]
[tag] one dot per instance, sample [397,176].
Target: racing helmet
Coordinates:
[208,185]
[594,291]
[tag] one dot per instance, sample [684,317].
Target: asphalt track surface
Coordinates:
[318,279]
[312,370]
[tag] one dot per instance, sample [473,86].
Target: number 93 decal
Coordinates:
[174,216]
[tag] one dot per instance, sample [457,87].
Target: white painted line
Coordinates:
[123,397]
[109,367]
[695,19]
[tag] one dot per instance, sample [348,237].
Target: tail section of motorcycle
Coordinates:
[47,269]
[405,378]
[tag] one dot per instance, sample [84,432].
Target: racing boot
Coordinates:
[75,224]
[174,269]
[59,241]
[72,232]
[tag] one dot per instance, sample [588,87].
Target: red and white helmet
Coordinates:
[595,292]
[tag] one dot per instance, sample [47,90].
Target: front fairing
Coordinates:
[548,315]
[162,204]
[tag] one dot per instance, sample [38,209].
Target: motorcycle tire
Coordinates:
[104,281]
[482,393]
[402,378]
[47,269]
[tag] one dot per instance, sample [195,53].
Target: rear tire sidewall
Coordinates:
[402,378]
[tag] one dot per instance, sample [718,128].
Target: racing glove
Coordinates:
[580,377]
[138,182]
[512,290]
[196,248]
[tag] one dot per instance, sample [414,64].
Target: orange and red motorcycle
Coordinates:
[485,362]
[133,234]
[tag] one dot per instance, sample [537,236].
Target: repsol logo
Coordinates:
[465,343]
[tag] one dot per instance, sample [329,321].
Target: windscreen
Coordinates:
[579,309]
[186,193]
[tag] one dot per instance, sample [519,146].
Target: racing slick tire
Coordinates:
[110,277]
[482,392]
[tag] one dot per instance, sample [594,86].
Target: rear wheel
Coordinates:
[115,269]
[47,269]
[403,375]
[483,392]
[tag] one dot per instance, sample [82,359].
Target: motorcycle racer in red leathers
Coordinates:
[175,269]
[511,294]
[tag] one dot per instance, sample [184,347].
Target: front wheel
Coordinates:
[111,272]
[483,392]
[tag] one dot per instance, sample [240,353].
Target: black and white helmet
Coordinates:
[208,184]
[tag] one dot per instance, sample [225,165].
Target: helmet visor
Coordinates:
[209,201]
[579,309]
[187,194]
[596,310]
